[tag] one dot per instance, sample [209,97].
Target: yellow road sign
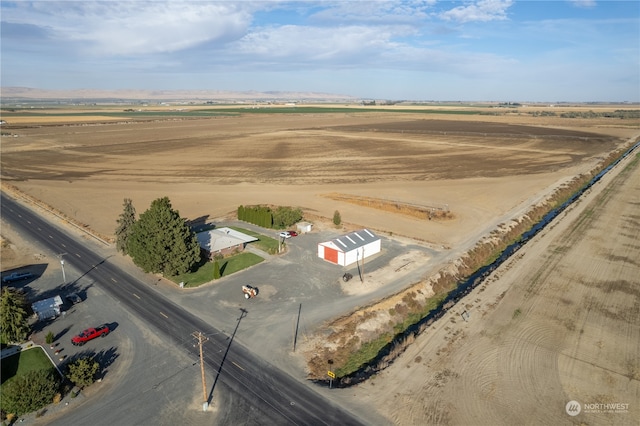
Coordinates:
[331,374]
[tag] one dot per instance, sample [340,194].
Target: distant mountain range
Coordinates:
[166,95]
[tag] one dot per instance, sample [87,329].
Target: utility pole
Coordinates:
[201,339]
[363,264]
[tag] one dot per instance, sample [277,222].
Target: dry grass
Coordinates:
[62,119]
[405,308]
[393,206]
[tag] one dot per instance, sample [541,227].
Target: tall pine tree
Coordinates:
[125,225]
[14,320]
[161,241]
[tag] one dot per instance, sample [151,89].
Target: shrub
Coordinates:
[49,338]
[337,219]
[216,270]
[83,371]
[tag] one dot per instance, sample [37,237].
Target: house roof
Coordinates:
[352,241]
[222,238]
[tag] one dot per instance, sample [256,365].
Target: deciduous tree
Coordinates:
[284,217]
[82,372]
[30,391]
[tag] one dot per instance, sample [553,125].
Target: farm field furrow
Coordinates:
[557,323]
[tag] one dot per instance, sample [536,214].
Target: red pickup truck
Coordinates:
[90,334]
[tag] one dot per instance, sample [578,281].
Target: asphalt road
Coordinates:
[273,396]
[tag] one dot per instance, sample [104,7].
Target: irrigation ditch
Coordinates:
[398,344]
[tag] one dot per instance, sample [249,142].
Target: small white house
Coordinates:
[223,241]
[47,308]
[350,248]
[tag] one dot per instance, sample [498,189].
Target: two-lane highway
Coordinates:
[280,398]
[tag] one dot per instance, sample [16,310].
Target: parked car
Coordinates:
[293,233]
[73,298]
[90,334]
[285,234]
[16,276]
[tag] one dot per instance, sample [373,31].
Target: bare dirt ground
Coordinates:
[561,326]
[207,167]
[559,322]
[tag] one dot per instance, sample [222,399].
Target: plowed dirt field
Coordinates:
[559,322]
[480,168]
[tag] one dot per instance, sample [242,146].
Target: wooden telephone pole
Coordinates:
[201,339]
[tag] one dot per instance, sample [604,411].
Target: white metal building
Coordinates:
[47,308]
[350,248]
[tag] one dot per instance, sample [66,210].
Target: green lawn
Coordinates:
[228,266]
[20,363]
[264,243]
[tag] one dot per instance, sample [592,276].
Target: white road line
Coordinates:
[237,365]
[163,314]
[136,295]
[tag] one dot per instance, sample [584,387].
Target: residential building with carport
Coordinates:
[223,242]
[350,248]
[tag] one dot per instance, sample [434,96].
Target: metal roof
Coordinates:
[47,308]
[222,238]
[353,240]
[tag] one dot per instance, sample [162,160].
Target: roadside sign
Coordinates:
[331,374]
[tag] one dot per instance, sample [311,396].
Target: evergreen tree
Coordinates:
[29,392]
[82,372]
[161,241]
[337,219]
[216,270]
[14,319]
[125,225]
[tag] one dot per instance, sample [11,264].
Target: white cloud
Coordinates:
[374,12]
[586,4]
[305,44]
[483,11]
[136,27]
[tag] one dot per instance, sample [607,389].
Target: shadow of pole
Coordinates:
[88,271]
[243,313]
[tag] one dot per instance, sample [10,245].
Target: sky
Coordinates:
[475,50]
